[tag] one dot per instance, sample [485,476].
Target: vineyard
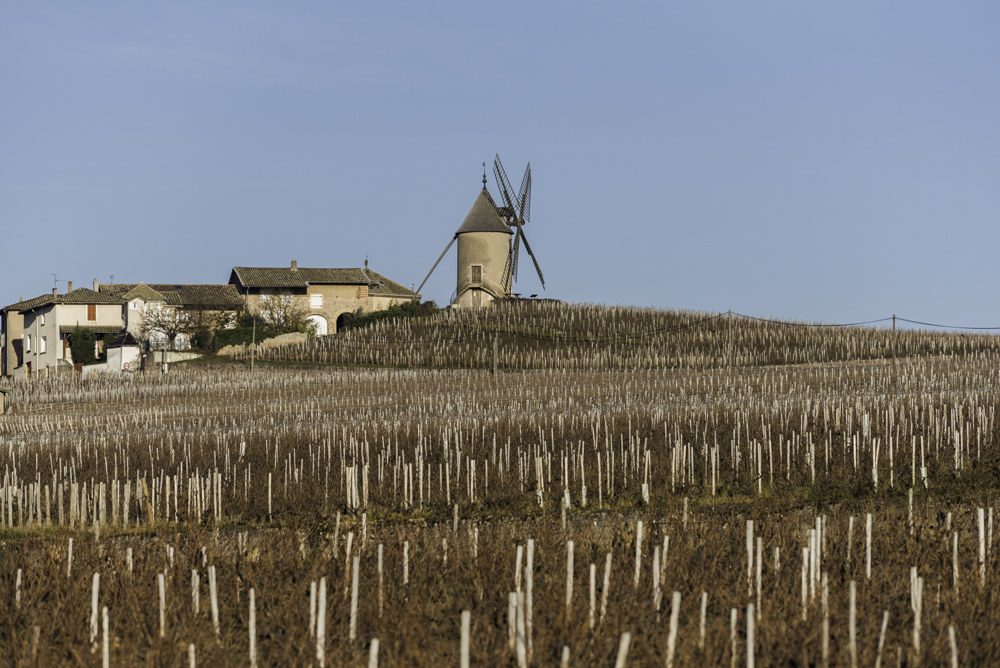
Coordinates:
[522,335]
[636,487]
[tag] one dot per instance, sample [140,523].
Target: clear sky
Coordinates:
[827,161]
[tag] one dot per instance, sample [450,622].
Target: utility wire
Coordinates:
[811,324]
[928,324]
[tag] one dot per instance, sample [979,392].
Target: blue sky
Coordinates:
[834,161]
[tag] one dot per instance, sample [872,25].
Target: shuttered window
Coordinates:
[92,312]
[316,301]
[477,273]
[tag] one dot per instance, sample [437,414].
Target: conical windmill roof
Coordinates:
[483,216]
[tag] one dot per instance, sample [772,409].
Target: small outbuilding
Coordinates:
[123,352]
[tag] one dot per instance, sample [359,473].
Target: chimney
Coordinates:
[55,292]
[295,265]
[69,286]
[97,285]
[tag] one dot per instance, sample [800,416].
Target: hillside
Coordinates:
[545,335]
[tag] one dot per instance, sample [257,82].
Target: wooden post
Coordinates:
[569,576]
[147,505]
[894,338]
[353,633]
[496,354]
[463,661]
[623,645]
[321,624]
[675,608]
[163,595]
[253,629]
[852,636]
[732,353]
[881,639]
[105,648]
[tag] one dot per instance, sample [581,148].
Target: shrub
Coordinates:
[411,309]
[82,342]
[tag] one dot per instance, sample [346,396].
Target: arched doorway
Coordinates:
[319,322]
[344,321]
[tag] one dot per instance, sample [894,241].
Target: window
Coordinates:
[477,273]
[27,343]
[91,312]
[133,306]
[41,319]
[315,301]
[41,345]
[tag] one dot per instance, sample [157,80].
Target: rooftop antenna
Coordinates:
[112,279]
[56,281]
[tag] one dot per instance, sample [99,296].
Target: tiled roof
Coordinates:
[123,339]
[220,295]
[87,296]
[30,304]
[78,296]
[385,287]
[96,329]
[483,216]
[287,277]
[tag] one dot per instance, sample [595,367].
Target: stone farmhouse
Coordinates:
[35,334]
[329,295]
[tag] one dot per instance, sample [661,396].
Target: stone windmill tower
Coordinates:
[488,243]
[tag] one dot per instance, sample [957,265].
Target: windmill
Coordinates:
[487,255]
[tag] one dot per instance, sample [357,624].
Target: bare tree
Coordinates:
[166,322]
[283,312]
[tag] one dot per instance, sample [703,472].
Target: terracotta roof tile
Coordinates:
[220,295]
[287,277]
[78,296]
[96,329]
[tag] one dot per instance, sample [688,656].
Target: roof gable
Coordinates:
[143,291]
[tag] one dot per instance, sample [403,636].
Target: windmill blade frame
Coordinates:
[524,196]
[441,257]
[515,253]
[506,190]
[527,247]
